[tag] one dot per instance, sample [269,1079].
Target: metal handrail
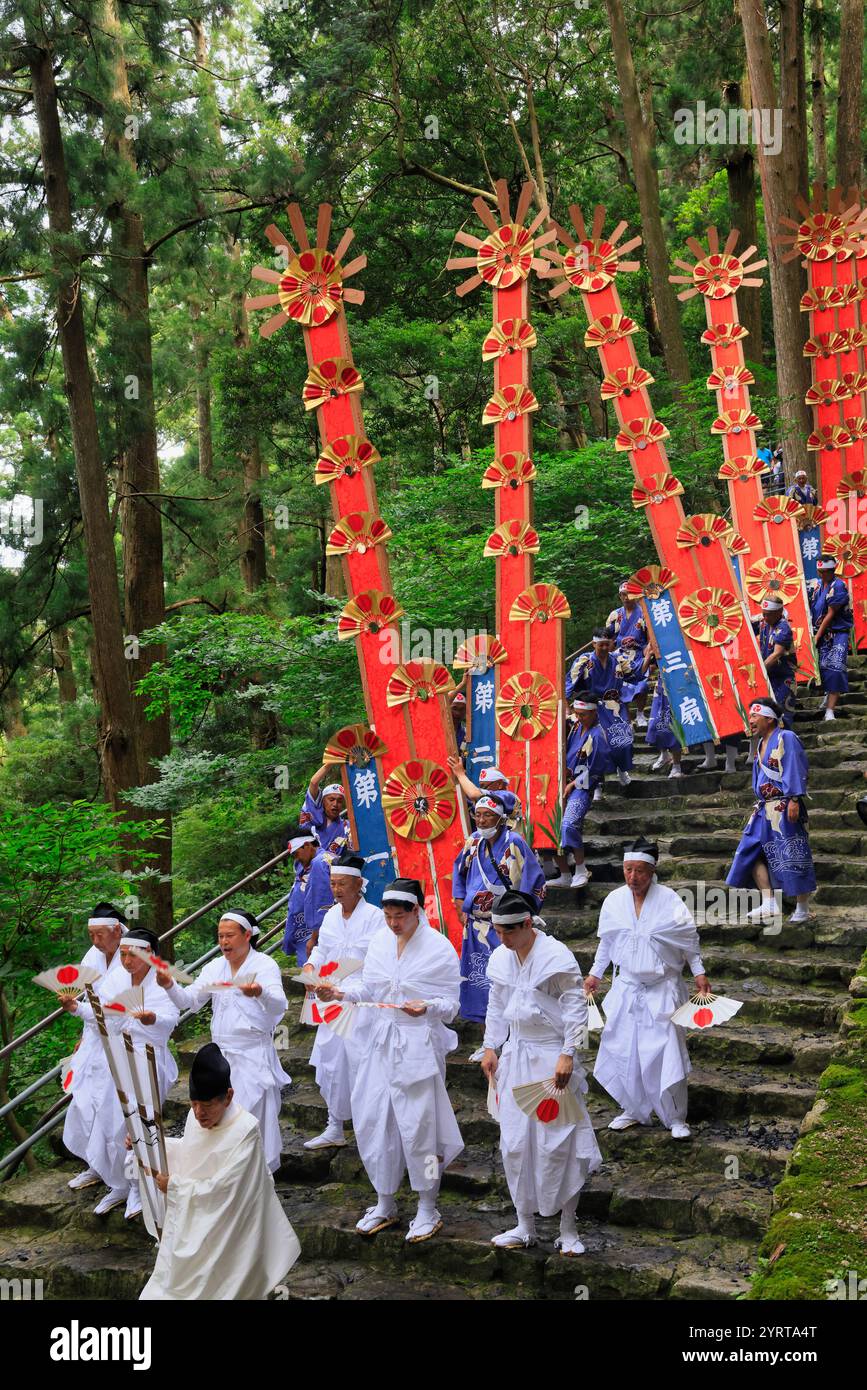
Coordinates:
[166,936]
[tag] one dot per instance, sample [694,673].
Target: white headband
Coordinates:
[104,922]
[137,942]
[583,705]
[306,838]
[487,803]
[490,774]
[345,869]
[242,922]
[508,918]
[772,603]
[758,708]
[397,896]
[826,564]
[333,789]
[638,856]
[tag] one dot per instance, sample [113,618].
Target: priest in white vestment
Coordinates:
[153,1023]
[648,933]
[245,990]
[346,932]
[537,1015]
[105,927]
[225,1234]
[401,1112]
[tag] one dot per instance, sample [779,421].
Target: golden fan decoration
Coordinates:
[850,552]
[649,581]
[344,457]
[623,382]
[419,799]
[827,345]
[828,392]
[742,469]
[824,297]
[313,285]
[609,329]
[735,422]
[479,653]
[656,488]
[824,233]
[735,543]
[776,510]
[417,680]
[856,426]
[724,334]
[856,382]
[368,613]
[711,615]
[355,744]
[729,379]
[829,437]
[510,470]
[856,481]
[591,263]
[811,515]
[541,603]
[509,404]
[716,273]
[507,253]
[508,337]
[526,705]
[773,578]
[512,538]
[640,434]
[356,534]
[702,529]
[334,377]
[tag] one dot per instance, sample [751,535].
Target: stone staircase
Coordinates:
[661,1219]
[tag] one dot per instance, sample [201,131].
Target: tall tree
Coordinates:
[816,21]
[850,94]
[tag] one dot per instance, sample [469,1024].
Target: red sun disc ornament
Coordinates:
[703,1018]
[547,1110]
[67,1080]
[716,277]
[67,974]
[773,578]
[344,457]
[331,1013]
[369,612]
[591,265]
[850,552]
[328,968]
[526,705]
[419,799]
[541,603]
[711,615]
[312,287]
[505,256]
[356,744]
[417,680]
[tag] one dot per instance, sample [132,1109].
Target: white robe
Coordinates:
[336,1059]
[642,1061]
[89,1067]
[243,1029]
[106,1147]
[401,1113]
[225,1235]
[538,1010]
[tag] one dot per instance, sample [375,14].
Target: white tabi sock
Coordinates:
[568,1226]
[427,1203]
[527,1224]
[385,1204]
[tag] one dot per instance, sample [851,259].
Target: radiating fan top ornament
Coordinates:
[850,552]
[591,263]
[716,273]
[508,337]
[640,434]
[355,744]
[625,381]
[512,538]
[356,534]
[656,488]
[369,612]
[608,330]
[824,233]
[649,581]
[509,404]
[711,615]
[526,705]
[510,471]
[417,680]
[541,603]
[773,578]
[743,469]
[507,253]
[419,799]
[334,377]
[479,653]
[313,284]
[705,528]
[344,457]
[776,510]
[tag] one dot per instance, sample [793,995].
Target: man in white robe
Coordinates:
[346,932]
[401,1113]
[154,1023]
[649,934]
[537,1014]
[245,990]
[105,927]
[225,1234]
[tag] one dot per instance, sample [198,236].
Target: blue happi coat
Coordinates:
[782,673]
[588,758]
[807,495]
[309,901]
[331,834]
[779,776]
[483,871]
[660,733]
[834,646]
[589,677]
[630,634]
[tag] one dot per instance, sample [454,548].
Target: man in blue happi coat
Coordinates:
[588,758]
[802,491]
[774,852]
[603,675]
[832,621]
[493,860]
[325,810]
[311,894]
[777,646]
[627,628]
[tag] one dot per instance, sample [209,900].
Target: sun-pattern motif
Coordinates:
[312,287]
[827,345]
[369,613]
[850,552]
[417,680]
[716,273]
[507,252]
[656,488]
[822,234]
[724,334]
[356,534]
[773,578]
[344,457]
[510,471]
[526,705]
[812,515]
[419,799]
[591,262]
[856,481]
[711,615]
[355,744]
[332,378]
[823,297]
[512,538]
[828,391]
[730,379]
[540,603]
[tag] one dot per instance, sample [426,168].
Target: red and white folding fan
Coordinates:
[67,981]
[706,1010]
[544,1102]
